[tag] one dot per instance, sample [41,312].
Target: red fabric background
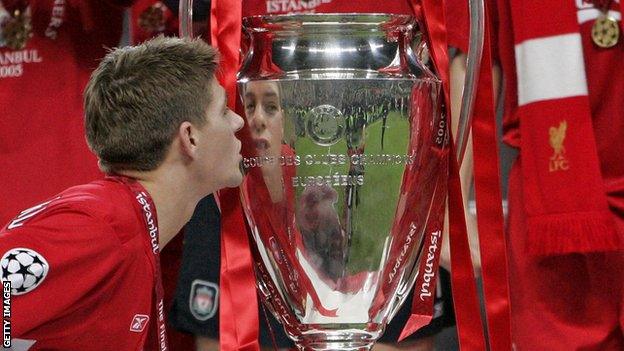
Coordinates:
[42,144]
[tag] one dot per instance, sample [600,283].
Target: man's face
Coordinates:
[220,158]
[263,109]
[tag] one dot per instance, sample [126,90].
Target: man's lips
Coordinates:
[241,166]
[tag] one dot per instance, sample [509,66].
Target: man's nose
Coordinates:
[258,122]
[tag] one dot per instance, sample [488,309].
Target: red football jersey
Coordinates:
[82,270]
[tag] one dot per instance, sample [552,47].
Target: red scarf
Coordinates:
[565,203]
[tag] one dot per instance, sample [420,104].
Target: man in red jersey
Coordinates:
[564,114]
[83,267]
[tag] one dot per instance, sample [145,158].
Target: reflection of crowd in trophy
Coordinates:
[360,107]
[269,108]
[322,234]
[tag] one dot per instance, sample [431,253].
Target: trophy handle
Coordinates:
[186,18]
[473,65]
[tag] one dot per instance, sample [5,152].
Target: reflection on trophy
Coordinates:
[346,170]
[323,238]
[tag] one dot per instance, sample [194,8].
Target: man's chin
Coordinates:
[236,180]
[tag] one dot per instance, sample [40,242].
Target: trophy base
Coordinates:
[355,341]
[337,346]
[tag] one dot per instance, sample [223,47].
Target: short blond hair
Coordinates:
[139,95]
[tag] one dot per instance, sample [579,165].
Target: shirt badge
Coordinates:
[204,299]
[24,268]
[139,321]
[558,161]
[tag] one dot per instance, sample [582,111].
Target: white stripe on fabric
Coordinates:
[586,15]
[550,68]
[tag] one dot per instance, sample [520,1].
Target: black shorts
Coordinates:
[196,302]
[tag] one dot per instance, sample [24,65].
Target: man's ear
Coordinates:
[187,134]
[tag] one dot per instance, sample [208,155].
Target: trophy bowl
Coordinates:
[346,167]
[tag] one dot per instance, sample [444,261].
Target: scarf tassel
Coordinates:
[574,232]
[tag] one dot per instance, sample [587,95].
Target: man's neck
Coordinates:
[173,198]
[174,209]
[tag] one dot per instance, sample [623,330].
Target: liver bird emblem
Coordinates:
[557,136]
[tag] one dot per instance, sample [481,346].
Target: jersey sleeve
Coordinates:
[457,23]
[56,263]
[199,268]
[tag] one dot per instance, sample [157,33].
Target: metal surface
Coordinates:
[346,163]
[473,66]
[186,18]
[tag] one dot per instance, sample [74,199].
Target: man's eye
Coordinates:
[250,107]
[272,108]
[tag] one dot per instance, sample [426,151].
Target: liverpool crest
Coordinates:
[558,161]
[204,299]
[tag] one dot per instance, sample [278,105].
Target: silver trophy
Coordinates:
[347,162]
[346,158]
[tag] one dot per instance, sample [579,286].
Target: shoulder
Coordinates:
[80,212]
[84,231]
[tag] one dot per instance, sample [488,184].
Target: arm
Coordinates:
[457,74]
